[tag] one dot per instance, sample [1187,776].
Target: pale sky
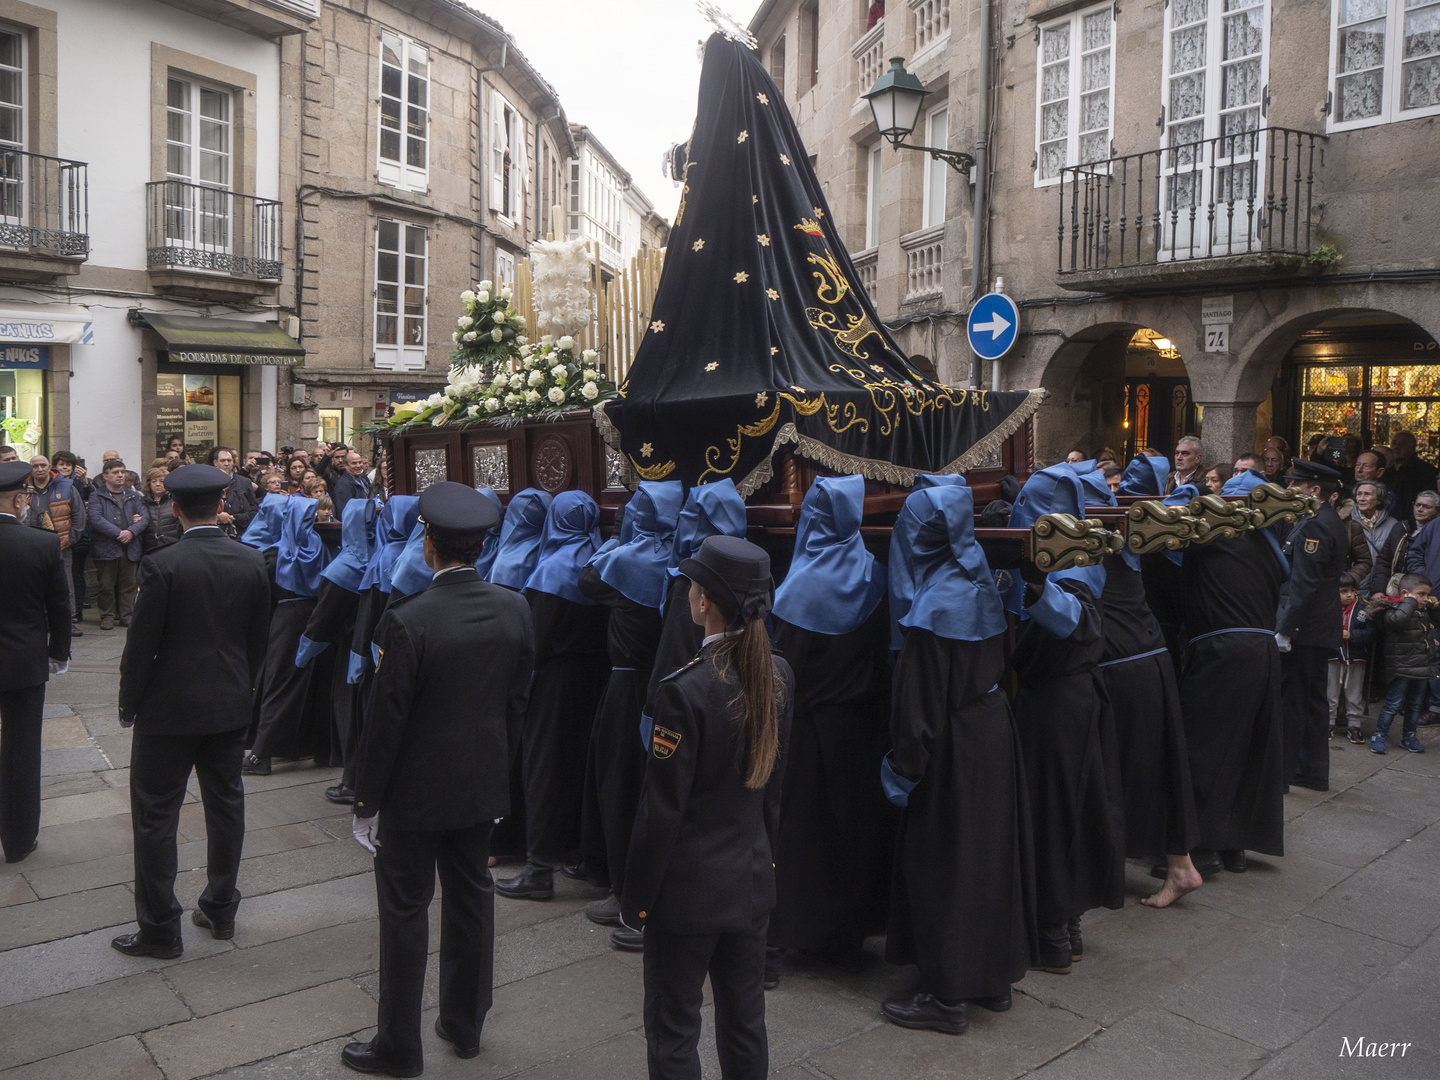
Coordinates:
[627,69]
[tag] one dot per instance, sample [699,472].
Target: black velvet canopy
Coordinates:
[760,336]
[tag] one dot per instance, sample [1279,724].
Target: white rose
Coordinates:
[566,343]
[500,317]
[485,285]
[511,400]
[492,405]
[532,397]
[537,378]
[434,401]
[473,410]
[482,297]
[468,296]
[521,339]
[517,380]
[556,395]
[590,391]
[501,379]
[465,322]
[506,293]
[524,349]
[588,355]
[455,336]
[547,340]
[470,335]
[497,334]
[588,374]
[557,370]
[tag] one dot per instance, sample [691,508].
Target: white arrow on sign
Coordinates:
[996,325]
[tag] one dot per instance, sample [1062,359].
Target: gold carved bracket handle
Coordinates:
[1060,541]
[1273,505]
[1153,526]
[1224,520]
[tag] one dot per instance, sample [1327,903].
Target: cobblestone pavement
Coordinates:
[1263,974]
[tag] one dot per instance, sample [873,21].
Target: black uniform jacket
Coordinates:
[1310,601]
[197,637]
[447,706]
[701,857]
[35,614]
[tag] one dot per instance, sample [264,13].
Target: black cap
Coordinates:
[13,475]
[735,572]
[456,508]
[196,480]
[1311,472]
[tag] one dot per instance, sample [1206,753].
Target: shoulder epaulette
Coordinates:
[681,670]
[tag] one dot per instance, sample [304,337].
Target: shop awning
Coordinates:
[192,339]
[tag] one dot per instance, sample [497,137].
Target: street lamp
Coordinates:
[895,102]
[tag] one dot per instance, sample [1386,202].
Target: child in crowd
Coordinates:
[1409,658]
[324,508]
[1345,679]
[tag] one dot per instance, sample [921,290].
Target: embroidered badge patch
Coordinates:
[664,741]
[1312,546]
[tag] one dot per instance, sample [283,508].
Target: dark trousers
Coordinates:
[675,970]
[1407,697]
[117,585]
[20,721]
[405,870]
[1303,702]
[159,769]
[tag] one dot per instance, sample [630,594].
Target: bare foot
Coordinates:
[1181,877]
[493,861]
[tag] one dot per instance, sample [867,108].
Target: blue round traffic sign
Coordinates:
[993,326]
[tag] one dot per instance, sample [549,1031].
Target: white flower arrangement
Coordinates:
[560,273]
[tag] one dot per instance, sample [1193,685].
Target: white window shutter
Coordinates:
[497,153]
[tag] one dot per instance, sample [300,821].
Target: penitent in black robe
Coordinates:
[1230,694]
[333,622]
[571,668]
[962,905]
[616,767]
[1149,726]
[837,830]
[1068,738]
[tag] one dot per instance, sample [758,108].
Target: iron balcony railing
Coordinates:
[195,227]
[1241,194]
[44,204]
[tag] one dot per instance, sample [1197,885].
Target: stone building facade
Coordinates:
[604,205]
[1267,165]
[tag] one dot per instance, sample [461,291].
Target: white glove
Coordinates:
[59,667]
[367,832]
[1282,642]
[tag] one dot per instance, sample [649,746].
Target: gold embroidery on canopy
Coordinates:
[832,285]
[653,472]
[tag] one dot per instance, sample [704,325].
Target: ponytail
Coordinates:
[759,698]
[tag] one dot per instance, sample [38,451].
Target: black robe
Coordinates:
[837,830]
[571,668]
[1230,694]
[281,728]
[616,765]
[963,901]
[333,623]
[1068,738]
[1149,726]
[1163,594]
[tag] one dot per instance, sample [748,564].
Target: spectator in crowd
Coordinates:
[1407,475]
[1359,562]
[295,475]
[1423,555]
[324,508]
[69,467]
[333,465]
[351,483]
[1187,468]
[175,444]
[272,482]
[1113,475]
[1073,457]
[1381,531]
[56,505]
[108,455]
[240,503]
[1370,467]
[1214,479]
[1345,681]
[8,454]
[1273,459]
[1424,510]
[1244,463]
[1106,455]
[173,455]
[162,527]
[313,487]
[117,520]
[1409,659]
[132,480]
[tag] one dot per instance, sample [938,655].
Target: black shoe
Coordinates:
[1355,736]
[604,912]
[361,1057]
[139,945]
[75,631]
[774,966]
[255,766]
[1234,860]
[219,931]
[584,870]
[536,881]
[22,856]
[1055,961]
[1077,943]
[1206,860]
[627,940]
[340,794]
[926,1013]
[460,1051]
[1311,782]
[994,1004]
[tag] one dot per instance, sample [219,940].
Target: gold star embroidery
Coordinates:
[772,294]
[818,212]
[784,160]
[741,278]
[774,349]
[760,399]
[877,368]
[712,365]
[764,240]
[762,99]
[697,245]
[647,450]
[657,327]
[798,389]
[742,136]
[754,200]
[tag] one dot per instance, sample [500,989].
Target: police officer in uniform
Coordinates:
[451,684]
[35,642]
[193,655]
[1307,626]
[700,875]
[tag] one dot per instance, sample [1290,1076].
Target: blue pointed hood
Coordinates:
[492,537]
[1145,475]
[938,572]
[357,535]
[635,565]
[520,538]
[900,586]
[930,480]
[833,583]
[387,531]
[571,537]
[1097,492]
[300,557]
[711,510]
[410,574]
[263,532]
[1055,490]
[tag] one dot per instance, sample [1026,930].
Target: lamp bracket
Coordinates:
[957,160]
